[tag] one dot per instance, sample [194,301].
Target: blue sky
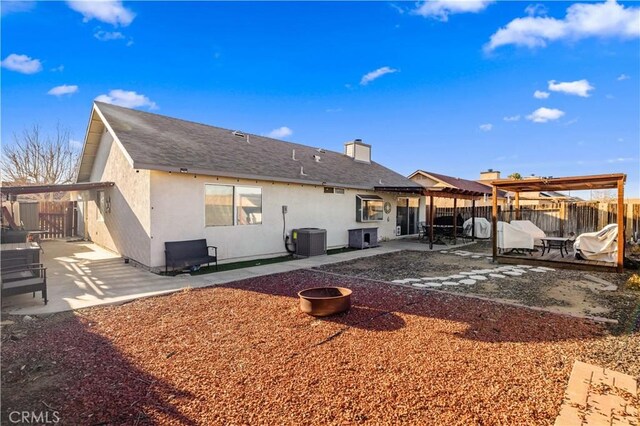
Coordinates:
[545,88]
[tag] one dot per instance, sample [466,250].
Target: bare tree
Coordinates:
[38,159]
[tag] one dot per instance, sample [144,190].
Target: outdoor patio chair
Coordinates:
[511,238]
[483,227]
[601,245]
[531,229]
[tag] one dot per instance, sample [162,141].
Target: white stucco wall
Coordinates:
[178,209]
[126,227]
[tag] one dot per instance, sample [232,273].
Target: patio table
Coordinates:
[555,242]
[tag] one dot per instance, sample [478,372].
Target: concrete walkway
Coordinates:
[82,274]
[598,396]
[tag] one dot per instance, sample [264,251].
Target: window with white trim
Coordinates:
[228,205]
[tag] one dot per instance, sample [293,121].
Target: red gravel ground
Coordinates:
[244,354]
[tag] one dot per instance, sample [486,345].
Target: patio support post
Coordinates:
[517,203]
[455,218]
[620,225]
[431,214]
[473,220]
[494,222]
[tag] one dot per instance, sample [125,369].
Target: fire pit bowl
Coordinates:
[325,301]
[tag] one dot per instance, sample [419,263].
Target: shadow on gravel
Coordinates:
[60,368]
[485,321]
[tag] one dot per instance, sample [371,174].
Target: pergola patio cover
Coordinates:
[571,183]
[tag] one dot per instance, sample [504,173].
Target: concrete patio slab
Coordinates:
[82,274]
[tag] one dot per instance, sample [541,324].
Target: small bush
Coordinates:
[633,283]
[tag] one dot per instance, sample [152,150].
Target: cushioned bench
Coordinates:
[23,279]
[184,254]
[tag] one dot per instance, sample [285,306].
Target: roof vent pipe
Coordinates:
[302,173]
[293,155]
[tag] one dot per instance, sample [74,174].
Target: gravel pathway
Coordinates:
[243,354]
[470,271]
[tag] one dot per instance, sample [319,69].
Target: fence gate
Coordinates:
[58,218]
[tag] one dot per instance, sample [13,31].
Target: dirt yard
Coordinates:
[595,294]
[243,354]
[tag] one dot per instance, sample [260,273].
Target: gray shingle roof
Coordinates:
[158,142]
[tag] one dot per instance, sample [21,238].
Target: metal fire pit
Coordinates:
[325,301]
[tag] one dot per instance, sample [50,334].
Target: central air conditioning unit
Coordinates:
[310,241]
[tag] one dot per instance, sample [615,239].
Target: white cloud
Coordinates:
[486,127]
[622,77]
[606,20]
[280,132]
[22,64]
[108,11]
[578,87]
[621,160]
[75,144]
[538,94]
[542,115]
[512,118]
[108,35]
[370,76]
[59,68]
[63,90]
[536,10]
[441,9]
[128,99]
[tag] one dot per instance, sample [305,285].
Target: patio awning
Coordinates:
[571,183]
[38,189]
[401,189]
[450,192]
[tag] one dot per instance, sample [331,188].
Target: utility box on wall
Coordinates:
[310,241]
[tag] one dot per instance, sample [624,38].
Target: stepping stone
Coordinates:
[449,283]
[399,281]
[412,280]
[476,257]
[432,284]
[478,277]
[489,258]
[497,276]
[468,281]
[444,251]
[467,273]
[538,270]
[481,271]
[418,285]
[463,254]
[455,277]
[525,266]
[597,280]
[512,273]
[546,268]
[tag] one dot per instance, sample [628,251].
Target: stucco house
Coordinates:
[179,180]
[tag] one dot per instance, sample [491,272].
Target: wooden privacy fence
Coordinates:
[59,219]
[561,218]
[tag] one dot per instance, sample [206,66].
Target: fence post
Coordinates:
[603,210]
